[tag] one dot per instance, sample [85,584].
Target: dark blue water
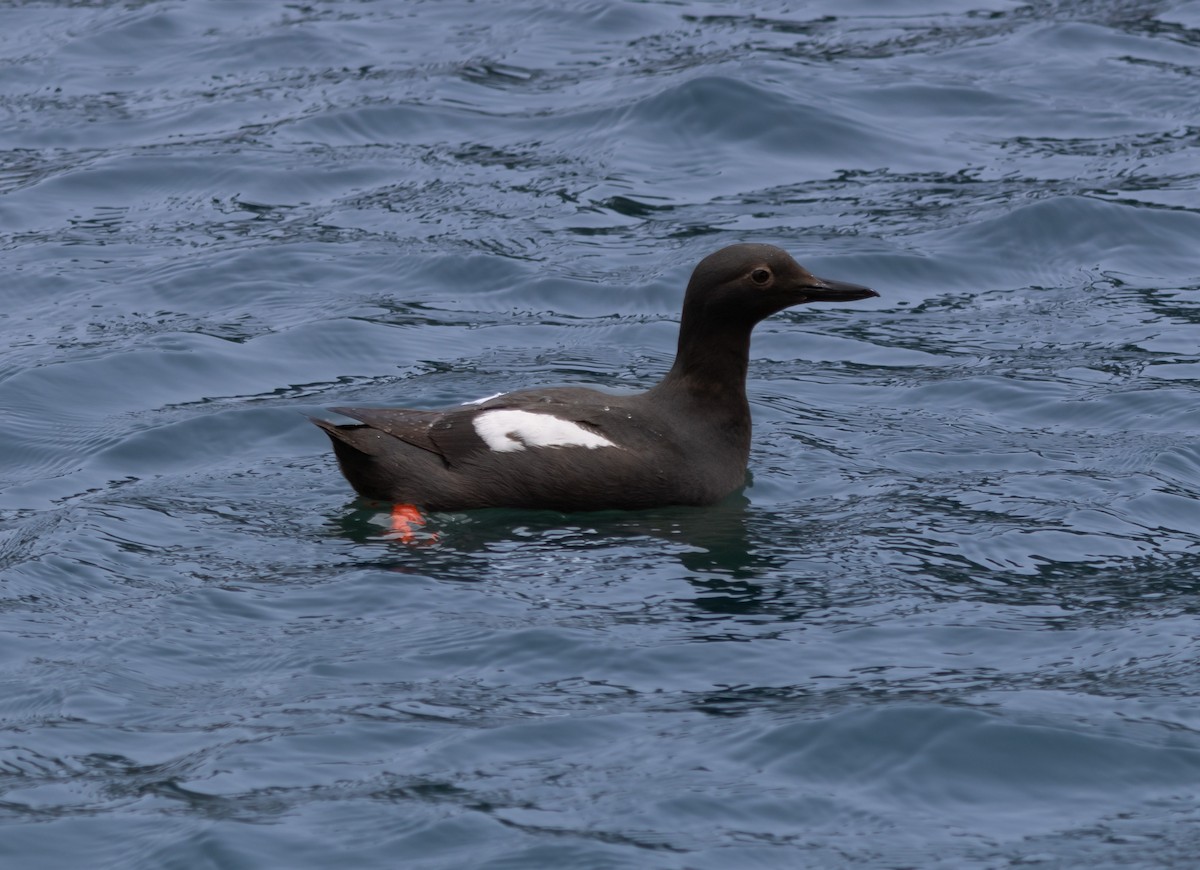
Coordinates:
[953,620]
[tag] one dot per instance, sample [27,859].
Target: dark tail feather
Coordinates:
[339,433]
[361,456]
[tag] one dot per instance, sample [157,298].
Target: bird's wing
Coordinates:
[507,424]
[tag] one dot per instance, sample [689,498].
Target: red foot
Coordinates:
[406,519]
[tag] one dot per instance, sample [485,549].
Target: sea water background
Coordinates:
[951,623]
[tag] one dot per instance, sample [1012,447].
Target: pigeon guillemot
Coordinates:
[685,441]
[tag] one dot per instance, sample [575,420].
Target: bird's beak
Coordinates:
[825,290]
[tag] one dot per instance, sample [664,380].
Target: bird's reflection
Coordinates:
[714,545]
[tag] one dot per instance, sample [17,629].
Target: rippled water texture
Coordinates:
[952,621]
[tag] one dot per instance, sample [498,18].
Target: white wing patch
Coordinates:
[507,431]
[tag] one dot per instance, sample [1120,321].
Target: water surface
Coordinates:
[952,620]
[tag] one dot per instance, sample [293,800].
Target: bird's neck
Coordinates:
[710,368]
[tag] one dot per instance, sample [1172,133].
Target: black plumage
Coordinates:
[685,441]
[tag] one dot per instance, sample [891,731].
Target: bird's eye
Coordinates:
[760,276]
